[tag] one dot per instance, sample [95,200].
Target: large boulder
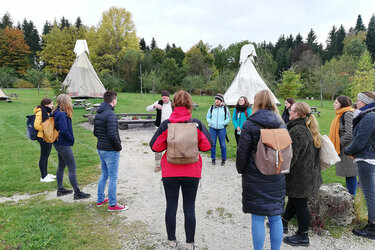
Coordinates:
[332,202]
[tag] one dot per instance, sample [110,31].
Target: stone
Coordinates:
[332,202]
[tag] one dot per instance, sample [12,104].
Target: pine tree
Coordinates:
[290,42]
[312,42]
[298,40]
[47,28]
[78,23]
[167,47]
[153,44]
[32,39]
[64,23]
[331,49]
[6,21]
[360,26]
[340,36]
[142,44]
[370,39]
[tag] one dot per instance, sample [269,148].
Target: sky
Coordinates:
[185,22]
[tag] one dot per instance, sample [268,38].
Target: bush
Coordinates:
[20,83]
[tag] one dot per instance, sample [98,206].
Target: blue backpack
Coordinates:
[31,132]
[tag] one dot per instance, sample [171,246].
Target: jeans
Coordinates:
[189,187]
[258,231]
[298,206]
[221,133]
[66,158]
[351,185]
[366,174]
[45,150]
[110,162]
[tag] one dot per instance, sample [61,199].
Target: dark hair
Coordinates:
[246,104]
[183,99]
[344,101]
[109,96]
[165,93]
[44,102]
[291,101]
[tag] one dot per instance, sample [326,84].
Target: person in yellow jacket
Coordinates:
[42,112]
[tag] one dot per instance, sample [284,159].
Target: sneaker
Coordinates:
[173,244]
[51,176]
[46,179]
[222,162]
[117,207]
[99,204]
[368,231]
[213,161]
[297,240]
[63,191]
[191,246]
[78,195]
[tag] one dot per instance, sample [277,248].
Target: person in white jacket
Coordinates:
[163,108]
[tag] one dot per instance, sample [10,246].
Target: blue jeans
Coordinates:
[221,133]
[258,231]
[366,174]
[109,161]
[351,185]
[189,187]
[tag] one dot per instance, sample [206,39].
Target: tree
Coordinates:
[36,77]
[32,39]
[153,44]
[158,56]
[312,42]
[370,38]
[47,28]
[364,77]
[359,25]
[7,77]
[6,21]
[78,24]
[221,57]
[142,44]
[307,62]
[167,47]
[153,81]
[233,53]
[110,81]
[290,84]
[298,40]
[177,54]
[354,47]
[266,66]
[170,72]
[64,23]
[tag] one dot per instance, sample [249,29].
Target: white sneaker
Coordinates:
[46,179]
[51,176]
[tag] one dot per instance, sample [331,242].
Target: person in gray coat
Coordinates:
[341,136]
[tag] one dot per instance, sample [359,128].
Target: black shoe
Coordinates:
[78,194]
[63,191]
[213,162]
[222,162]
[297,240]
[285,228]
[368,231]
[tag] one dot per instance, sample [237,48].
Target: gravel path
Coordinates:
[220,221]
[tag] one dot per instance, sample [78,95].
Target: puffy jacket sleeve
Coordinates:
[112,131]
[209,117]
[38,121]
[244,148]
[235,119]
[61,124]
[365,129]
[204,138]
[347,136]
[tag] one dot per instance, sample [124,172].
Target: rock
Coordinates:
[332,202]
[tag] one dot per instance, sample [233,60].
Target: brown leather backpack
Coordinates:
[182,143]
[274,151]
[50,134]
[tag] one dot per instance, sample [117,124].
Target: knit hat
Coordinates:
[165,93]
[219,97]
[364,98]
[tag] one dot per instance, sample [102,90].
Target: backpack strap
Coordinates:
[342,118]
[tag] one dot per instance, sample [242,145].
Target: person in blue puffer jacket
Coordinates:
[63,123]
[240,115]
[218,117]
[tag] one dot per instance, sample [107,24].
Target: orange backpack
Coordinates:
[50,134]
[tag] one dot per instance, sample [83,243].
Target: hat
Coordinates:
[219,97]
[165,93]
[364,98]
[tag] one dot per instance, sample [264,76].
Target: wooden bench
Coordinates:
[79,103]
[133,118]
[124,123]
[314,110]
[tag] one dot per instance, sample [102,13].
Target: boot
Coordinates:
[299,239]
[222,162]
[78,194]
[63,191]
[368,231]
[213,161]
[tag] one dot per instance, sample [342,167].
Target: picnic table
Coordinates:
[147,119]
[315,110]
[79,103]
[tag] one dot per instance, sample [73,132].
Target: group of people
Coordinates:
[352,133]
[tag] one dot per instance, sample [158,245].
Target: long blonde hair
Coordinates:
[264,100]
[304,111]
[65,103]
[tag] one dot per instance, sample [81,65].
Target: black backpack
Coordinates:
[31,132]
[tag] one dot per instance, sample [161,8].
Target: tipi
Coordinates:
[247,82]
[82,80]
[3,96]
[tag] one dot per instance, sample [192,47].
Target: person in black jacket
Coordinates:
[109,147]
[288,104]
[262,195]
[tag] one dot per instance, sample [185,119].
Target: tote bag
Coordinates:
[327,153]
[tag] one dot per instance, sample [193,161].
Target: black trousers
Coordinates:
[298,206]
[45,150]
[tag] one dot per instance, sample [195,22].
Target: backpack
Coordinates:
[31,132]
[225,112]
[327,153]
[182,143]
[50,134]
[274,151]
[245,113]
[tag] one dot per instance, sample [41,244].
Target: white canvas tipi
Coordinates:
[82,80]
[247,82]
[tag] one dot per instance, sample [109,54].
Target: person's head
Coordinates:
[302,110]
[65,103]
[183,99]
[110,97]
[342,101]
[289,102]
[165,96]
[219,99]
[46,102]
[264,100]
[242,101]
[365,98]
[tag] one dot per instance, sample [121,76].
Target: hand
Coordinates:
[238,129]
[158,106]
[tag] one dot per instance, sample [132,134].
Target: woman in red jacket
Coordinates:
[185,176]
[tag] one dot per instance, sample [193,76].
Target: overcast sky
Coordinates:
[185,22]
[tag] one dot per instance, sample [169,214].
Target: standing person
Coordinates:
[362,149]
[262,195]
[304,179]
[42,112]
[288,104]
[185,176]
[340,134]
[63,114]
[109,147]
[164,108]
[218,117]
[240,115]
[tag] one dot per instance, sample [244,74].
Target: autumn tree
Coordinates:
[364,77]
[290,84]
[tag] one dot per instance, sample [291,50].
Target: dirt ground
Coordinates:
[221,224]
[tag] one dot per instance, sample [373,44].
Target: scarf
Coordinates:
[45,112]
[241,108]
[335,127]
